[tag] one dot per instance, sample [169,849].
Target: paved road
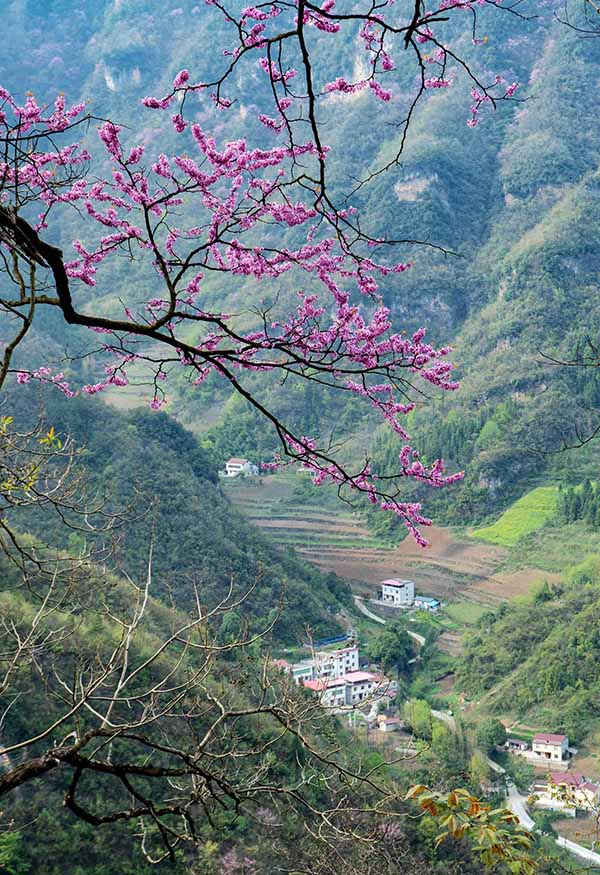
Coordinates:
[360,604]
[516,803]
[584,853]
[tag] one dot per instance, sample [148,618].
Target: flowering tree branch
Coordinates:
[265,214]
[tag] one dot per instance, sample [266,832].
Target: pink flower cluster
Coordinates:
[45,375]
[259,213]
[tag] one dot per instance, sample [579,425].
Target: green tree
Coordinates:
[490,733]
[392,649]
[11,857]
[479,769]
[417,714]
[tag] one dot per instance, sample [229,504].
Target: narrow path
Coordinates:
[448,719]
[360,604]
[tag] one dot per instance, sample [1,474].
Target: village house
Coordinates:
[426,603]
[385,723]
[326,664]
[359,686]
[569,792]
[235,467]
[335,663]
[516,745]
[398,593]
[331,692]
[335,675]
[550,747]
[349,690]
[303,671]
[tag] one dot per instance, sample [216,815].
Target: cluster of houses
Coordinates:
[566,791]
[336,676]
[401,594]
[560,789]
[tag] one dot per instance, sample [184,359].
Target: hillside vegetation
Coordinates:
[517,198]
[539,661]
[529,513]
[152,472]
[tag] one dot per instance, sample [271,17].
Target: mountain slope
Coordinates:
[148,466]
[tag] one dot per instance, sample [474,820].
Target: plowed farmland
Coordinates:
[331,536]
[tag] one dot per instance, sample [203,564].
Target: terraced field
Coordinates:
[331,536]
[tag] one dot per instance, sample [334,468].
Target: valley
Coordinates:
[454,567]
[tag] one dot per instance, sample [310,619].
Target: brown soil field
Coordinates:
[451,567]
[312,525]
[577,829]
[448,569]
[450,642]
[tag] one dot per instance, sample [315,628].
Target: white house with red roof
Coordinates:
[550,747]
[388,723]
[568,791]
[349,690]
[332,692]
[398,593]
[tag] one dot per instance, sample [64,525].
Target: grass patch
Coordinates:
[465,613]
[530,513]
[555,549]
[521,734]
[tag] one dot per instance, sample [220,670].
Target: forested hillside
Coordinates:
[539,661]
[164,490]
[263,230]
[531,265]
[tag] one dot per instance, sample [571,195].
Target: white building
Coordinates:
[336,663]
[236,466]
[303,671]
[332,692]
[386,723]
[326,665]
[349,690]
[360,685]
[400,593]
[550,747]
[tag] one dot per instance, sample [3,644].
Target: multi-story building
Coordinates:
[349,690]
[550,747]
[331,692]
[326,665]
[399,593]
[335,663]
[359,686]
